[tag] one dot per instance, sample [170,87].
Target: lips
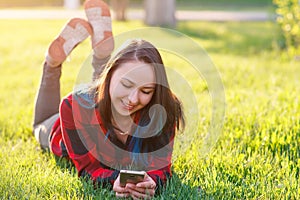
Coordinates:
[127,106]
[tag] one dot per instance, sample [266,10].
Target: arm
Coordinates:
[161,157]
[81,147]
[159,169]
[160,176]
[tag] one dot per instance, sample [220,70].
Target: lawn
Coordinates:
[255,157]
[224,5]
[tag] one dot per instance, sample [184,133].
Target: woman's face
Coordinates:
[131,87]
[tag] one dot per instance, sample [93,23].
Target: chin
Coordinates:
[123,112]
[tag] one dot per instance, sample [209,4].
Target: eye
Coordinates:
[147,91]
[126,85]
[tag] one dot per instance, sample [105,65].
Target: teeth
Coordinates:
[127,105]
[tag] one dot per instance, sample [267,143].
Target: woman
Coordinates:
[126,120]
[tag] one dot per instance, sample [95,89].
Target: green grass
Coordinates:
[216,4]
[256,157]
[235,5]
[220,5]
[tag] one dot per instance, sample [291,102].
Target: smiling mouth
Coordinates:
[127,107]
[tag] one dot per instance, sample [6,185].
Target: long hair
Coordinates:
[143,51]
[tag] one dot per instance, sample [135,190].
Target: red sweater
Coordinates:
[79,135]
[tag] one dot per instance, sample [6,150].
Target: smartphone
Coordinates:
[130,176]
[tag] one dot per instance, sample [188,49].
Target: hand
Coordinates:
[142,190]
[120,191]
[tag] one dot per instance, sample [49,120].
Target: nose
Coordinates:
[133,97]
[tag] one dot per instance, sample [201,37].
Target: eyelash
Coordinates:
[126,86]
[129,86]
[146,92]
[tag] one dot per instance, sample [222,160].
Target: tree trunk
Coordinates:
[71,4]
[160,13]
[119,7]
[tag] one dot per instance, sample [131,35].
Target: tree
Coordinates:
[160,13]
[288,12]
[119,7]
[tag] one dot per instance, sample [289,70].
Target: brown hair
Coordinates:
[143,51]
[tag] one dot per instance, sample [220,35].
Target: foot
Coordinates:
[74,32]
[98,14]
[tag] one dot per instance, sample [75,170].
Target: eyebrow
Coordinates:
[144,87]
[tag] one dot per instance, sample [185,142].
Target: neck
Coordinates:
[121,122]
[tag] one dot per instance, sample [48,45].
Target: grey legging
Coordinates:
[48,99]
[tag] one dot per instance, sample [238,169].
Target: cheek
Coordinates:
[117,91]
[145,99]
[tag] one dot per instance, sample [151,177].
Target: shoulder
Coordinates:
[81,105]
[66,103]
[83,98]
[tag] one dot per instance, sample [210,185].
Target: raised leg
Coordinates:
[48,96]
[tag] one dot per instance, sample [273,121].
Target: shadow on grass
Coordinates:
[88,189]
[174,188]
[238,38]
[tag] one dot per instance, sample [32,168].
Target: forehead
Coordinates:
[138,72]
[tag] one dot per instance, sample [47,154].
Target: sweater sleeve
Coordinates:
[81,148]
[161,166]
[160,176]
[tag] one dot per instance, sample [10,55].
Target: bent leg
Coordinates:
[42,131]
[98,65]
[48,96]
[98,15]
[47,104]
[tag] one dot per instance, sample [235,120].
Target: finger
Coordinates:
[135,198]
[122,195]
[150,192]
[147,183]
[150,185]
[130,186]
[119,189]
[136,195]
[116,185]
[142,190]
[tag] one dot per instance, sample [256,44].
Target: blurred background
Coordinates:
[153,12]
[255,45]
[188,3]
[167,13]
